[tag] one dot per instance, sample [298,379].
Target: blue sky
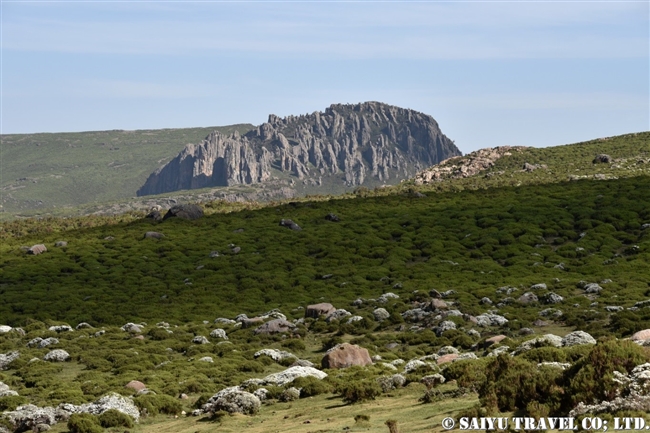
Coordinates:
[491,73]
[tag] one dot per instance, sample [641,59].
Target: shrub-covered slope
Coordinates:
[472,242]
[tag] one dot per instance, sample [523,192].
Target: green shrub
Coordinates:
[310,386]
[11,402]
[545,354]
[115,418]
[158,403]
[468,374]
[356,391]
[84,423]
[295,344]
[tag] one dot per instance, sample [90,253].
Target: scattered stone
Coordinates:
[444,326]
[540,286]
[486,301]
[261,393]
[552,298]
[224,321]
[447,358]
[614,308]
[527,298]
[386,297]
[132,328]
[448,293]
[60,328]
[153,235]
[641,336]
[82,325]
[602,158]
[435,294]
[560,365]
[213,254]
[543,341]
[290,224]
[218,333]
[354,319]
[332,217]
[346,355]
[489,319]
[136,385]
[389,383]
[576,338]
[4,329]
[551,312]
[501,350]
[291,373]
[61,244]
[592,288]
[338,315]
[200,339]
[381,314]
[290,394]
[57,355]
[275,326]
[433,380]
[540,323]
[317,310]
[413,365]
[302,363]
[274,354]
[445,350]
[526,331]
[5,391]
[494,340]
[185,211]
[37,249]
[206,359]
[465,356]
[42,342]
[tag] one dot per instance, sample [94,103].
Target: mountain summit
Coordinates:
[350,145]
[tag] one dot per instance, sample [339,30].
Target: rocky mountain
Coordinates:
[350,145]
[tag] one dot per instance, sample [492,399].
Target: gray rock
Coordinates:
[61,244]
[37,249]
[444,326]
[261,393]
[57,355]
[354,319]
[381,314]
[489,319]
[206,359]
[274,354]
[213,254]
[218,333]
[290,224]
[465,356]
[446,350]
[552,298]
[61,328]
[501,350]
[28,416]
[224,321]
[200,339]
[41,343]
[185,211]
[4,329]
[576,338]
[528,298]
[132,328]
[107,402]
[540,286]
[592,288]
[389,383]
[543,341]
[602,158]
[337,315]
[433,380]
[551,312]
[290,374]
[332,217]
[614,308]
[560,365]
[386,297]
[153,235]
[486,301]
[5,391]
[290,394]
[275,326]
[82,325]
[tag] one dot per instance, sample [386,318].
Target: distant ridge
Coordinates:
[348,145]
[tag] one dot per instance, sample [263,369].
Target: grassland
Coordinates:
[65,170]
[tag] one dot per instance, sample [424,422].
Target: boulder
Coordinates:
[317,310]
[290,224]
[543,341]
[354,319]
[57,355]
[253,321]
[602,158]
[136,385]
[233,401]
[132,328]
[433,380]
[274,354]
[61,244]
[27,417]
[4,329]
[218,333]
[540,286]
[641,336]
[413,365]
[42,342]
[200,339]
[552,298]
[338,315]
[447,358]
[291,373]
[275,326]
[436,304]
[37,249]
[332,217]
[185,211]
[5,391]
[576,338]
[61,328]
[107,402]
[381,314]
[386,297]
[153,235]
[346,355]
[83,325]
[527,298]
[444,326]
[206,359]
[489,319]
[155,215]
[445,350]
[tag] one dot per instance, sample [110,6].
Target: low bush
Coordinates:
[358,391]
[115,418]
[11,402]
[84,423]
[158,403]
[310,386]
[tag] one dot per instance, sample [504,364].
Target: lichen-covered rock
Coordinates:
[107,402]
[527,298]
[26,417]
[346,355]
[4,329]
[433,380]
[389,383]
[338,315]
[290,224]
[447,358]
[83,325]
[153,235]
[5,391]
[444,326]
[545,340]
[42,342]
[290,394]
[132,328]
[57,355]
[219,333]
[552,298]
[445,350]
[354,319]
[275,326]
[200,339]
[290,374]
[489,319]
[185,211]
[386,297]
[540,286]
[206,359]
[576,338]
[37,249]
[274,354]
[641,336]
[235,401]
[381,314]
[61,328]
[501,350]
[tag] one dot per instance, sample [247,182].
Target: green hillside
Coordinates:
[528,256]
[44,171]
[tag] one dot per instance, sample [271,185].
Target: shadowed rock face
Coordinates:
[352,143]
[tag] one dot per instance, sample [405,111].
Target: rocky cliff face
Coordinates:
[349,144]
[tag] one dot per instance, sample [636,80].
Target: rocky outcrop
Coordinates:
[469,165]
[351,143]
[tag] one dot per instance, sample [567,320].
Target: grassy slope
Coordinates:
[69,169]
